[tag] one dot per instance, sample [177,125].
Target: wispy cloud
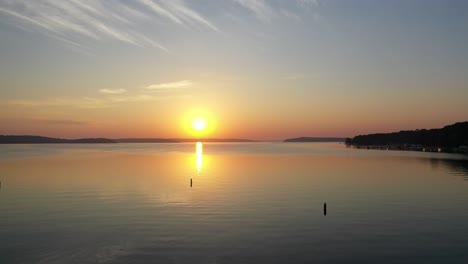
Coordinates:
[178,12]
[170,85]
[79,21]
[112,91]
[160,11]
[260,8]
[187,14]
[112,97]
[265,11]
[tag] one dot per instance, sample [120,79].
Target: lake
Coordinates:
[231,203]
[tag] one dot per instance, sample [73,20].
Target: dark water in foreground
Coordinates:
[249,203]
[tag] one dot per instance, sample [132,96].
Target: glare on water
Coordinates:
[199,156]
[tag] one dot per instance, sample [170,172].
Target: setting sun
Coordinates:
[199,124]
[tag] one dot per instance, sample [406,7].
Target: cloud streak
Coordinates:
[112,98]
[266,12]
[259,8]
[170,85]
[181,10]
[81,21]
[159,10]
[112,91]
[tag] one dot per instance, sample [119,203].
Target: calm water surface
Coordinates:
[248,203]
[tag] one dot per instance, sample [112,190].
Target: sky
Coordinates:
[258,69]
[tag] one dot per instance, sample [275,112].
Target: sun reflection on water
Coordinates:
[199,154]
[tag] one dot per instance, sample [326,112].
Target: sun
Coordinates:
[199,124]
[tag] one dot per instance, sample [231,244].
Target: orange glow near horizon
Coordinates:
[199,123]
[189,120]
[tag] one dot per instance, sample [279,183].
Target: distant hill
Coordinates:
[315,139]
[146,140]
[10,139]
[49,140]
[448,137]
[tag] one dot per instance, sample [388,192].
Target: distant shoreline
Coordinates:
[27,139]
[48,140]
[449,139]
[14,139]
[315,139]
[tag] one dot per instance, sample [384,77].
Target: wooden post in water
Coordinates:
[325,209]
[190,183]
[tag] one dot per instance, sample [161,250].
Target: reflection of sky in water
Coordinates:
[251,203]
[453,166]
[273,148]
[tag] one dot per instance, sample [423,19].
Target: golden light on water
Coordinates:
[199,156]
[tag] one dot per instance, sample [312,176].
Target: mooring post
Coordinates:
[325,209]
[190,183]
